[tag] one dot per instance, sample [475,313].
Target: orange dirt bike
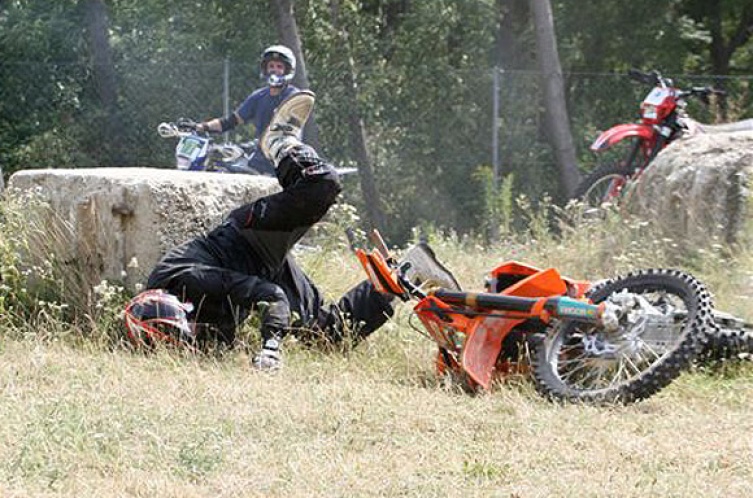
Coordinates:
[629,338]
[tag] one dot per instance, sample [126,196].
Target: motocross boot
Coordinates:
[269,359]
[286,126]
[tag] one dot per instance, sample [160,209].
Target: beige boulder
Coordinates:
[697,189]
[119,221]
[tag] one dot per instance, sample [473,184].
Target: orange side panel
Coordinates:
[514,268]
[544,283]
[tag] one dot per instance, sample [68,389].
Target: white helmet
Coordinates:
[278,53]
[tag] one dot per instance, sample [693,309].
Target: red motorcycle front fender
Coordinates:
[620,132]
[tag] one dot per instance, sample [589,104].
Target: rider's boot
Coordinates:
[269,359]
[286,127]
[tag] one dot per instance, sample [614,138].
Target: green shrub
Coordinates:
[42,282]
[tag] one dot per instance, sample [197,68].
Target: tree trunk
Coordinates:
[723,50]
[510,41]
[103,70]
[558,122]
[287,30]
[358,134]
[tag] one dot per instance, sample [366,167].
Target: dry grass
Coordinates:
[90,423]
[81,420]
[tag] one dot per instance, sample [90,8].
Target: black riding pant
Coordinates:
[224,298]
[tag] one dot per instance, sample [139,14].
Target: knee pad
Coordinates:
[277,314]
[267,291]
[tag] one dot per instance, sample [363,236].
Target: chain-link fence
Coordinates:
[429,136]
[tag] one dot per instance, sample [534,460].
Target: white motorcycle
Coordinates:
[200,152]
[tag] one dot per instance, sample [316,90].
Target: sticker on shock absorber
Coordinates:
[570,308]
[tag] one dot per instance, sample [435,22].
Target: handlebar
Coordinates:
[185,127]
[654,78]
[181,127]
[701,92]
[178,129]
[188,124]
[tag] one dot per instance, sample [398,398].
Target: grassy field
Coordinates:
[80,418]
[94,423]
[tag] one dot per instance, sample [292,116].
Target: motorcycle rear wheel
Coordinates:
[639,360]
[730,339]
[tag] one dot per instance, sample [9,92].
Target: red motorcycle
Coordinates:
[663,120]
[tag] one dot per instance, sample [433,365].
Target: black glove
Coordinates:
[187,124]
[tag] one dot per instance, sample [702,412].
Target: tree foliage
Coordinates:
[422,69]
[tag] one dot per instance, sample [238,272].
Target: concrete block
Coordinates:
[121,220]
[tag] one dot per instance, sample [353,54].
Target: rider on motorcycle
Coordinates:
[277,68]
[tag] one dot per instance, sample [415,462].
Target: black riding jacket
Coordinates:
[255,239]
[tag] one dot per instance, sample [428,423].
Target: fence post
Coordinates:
[496,122]
[495,126]
[226,93]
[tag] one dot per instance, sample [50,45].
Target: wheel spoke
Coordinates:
[629,362]
[645,346]
[618,374]
[570,372]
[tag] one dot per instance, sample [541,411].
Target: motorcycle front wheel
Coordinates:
[603,185]
[656,340]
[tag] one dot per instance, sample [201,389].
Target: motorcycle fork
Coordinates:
[630,161]
[649,153]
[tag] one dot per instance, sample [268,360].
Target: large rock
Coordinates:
[697,189]
[121,220]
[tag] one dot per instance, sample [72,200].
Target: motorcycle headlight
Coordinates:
[649,111]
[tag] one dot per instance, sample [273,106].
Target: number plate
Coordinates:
[190,147]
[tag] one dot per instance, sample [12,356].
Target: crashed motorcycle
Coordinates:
[200,152]
[617,341]
[664,119]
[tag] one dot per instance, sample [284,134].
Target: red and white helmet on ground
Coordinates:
[155,316]
[277,53]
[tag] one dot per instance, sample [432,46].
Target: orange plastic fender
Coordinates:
[544,283]
[379,273]
[482,347]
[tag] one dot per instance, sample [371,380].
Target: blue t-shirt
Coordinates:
[258,109]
